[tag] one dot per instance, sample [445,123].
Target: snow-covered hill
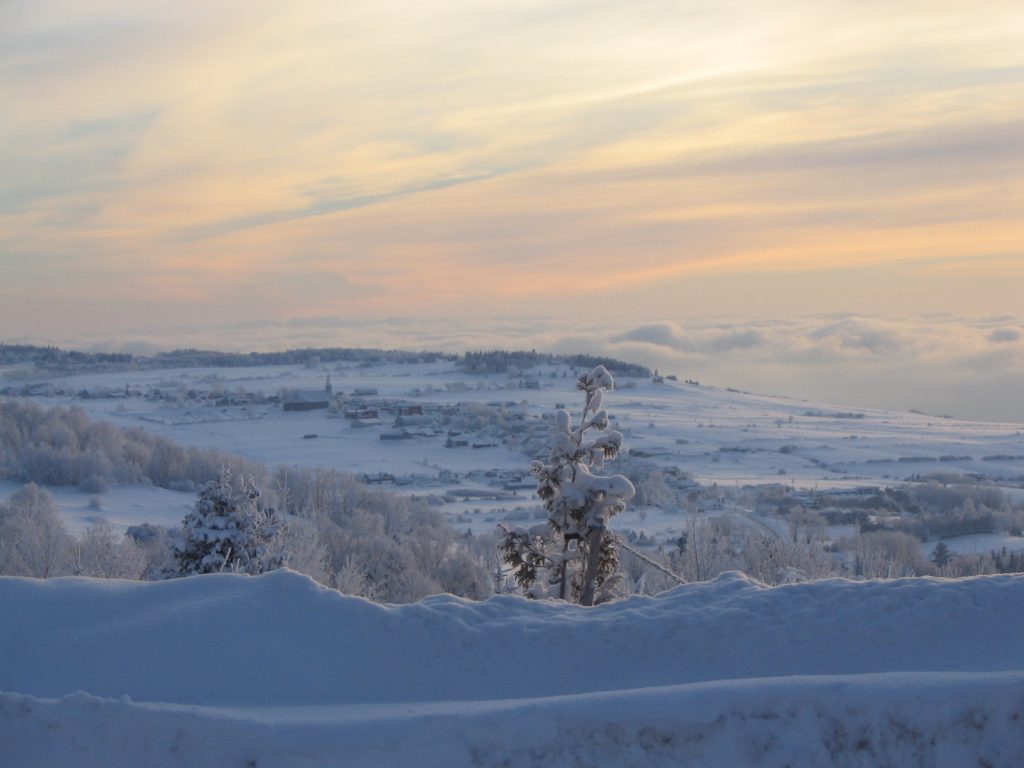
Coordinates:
[278,671]
[714,435]
[718,435]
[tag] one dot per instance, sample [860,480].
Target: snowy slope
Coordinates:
[276,670]
[718,435]
[715,435]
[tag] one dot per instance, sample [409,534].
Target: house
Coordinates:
[400,435]
[309,399]
[415,420]
[362,423]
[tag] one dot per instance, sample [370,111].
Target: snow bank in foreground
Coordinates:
[923,719]
[275,670]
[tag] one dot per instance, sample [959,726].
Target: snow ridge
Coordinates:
[730,672]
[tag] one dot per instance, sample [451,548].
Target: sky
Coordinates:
[823,198]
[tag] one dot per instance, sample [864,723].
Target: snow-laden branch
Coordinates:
[580,501]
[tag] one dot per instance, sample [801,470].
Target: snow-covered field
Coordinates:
[275,670]
[122,507]
[718,435]
[715,435]
[978,543]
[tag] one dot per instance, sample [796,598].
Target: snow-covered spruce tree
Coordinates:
[230,529]
[570,557]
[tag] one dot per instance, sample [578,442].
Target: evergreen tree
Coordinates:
[230,529]
[570,556]
[941,555]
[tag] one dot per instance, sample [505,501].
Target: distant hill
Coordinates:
[56,360]
[502,361]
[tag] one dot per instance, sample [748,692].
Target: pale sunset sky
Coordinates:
[819,199]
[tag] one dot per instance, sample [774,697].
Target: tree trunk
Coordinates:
[594,539]
[565,568]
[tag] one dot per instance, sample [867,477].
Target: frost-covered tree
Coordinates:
[569,556]
[101,552]
[777,560]
[299,547]
[230,529]
[33,539]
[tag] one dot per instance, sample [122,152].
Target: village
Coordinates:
[461,438]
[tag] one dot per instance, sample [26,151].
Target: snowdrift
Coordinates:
[278,671]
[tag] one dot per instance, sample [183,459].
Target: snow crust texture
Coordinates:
[276,670]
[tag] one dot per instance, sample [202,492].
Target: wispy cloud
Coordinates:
[241,160]
[322,206]
[1003,335]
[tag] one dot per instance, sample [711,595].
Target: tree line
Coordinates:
[503,361]
[333,527]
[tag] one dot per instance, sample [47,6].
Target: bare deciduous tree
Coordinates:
[33,538]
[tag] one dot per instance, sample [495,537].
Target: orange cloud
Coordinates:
[414,158]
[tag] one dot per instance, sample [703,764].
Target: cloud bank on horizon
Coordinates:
[939,364]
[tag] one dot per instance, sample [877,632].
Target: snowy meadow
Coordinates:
[366,480]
